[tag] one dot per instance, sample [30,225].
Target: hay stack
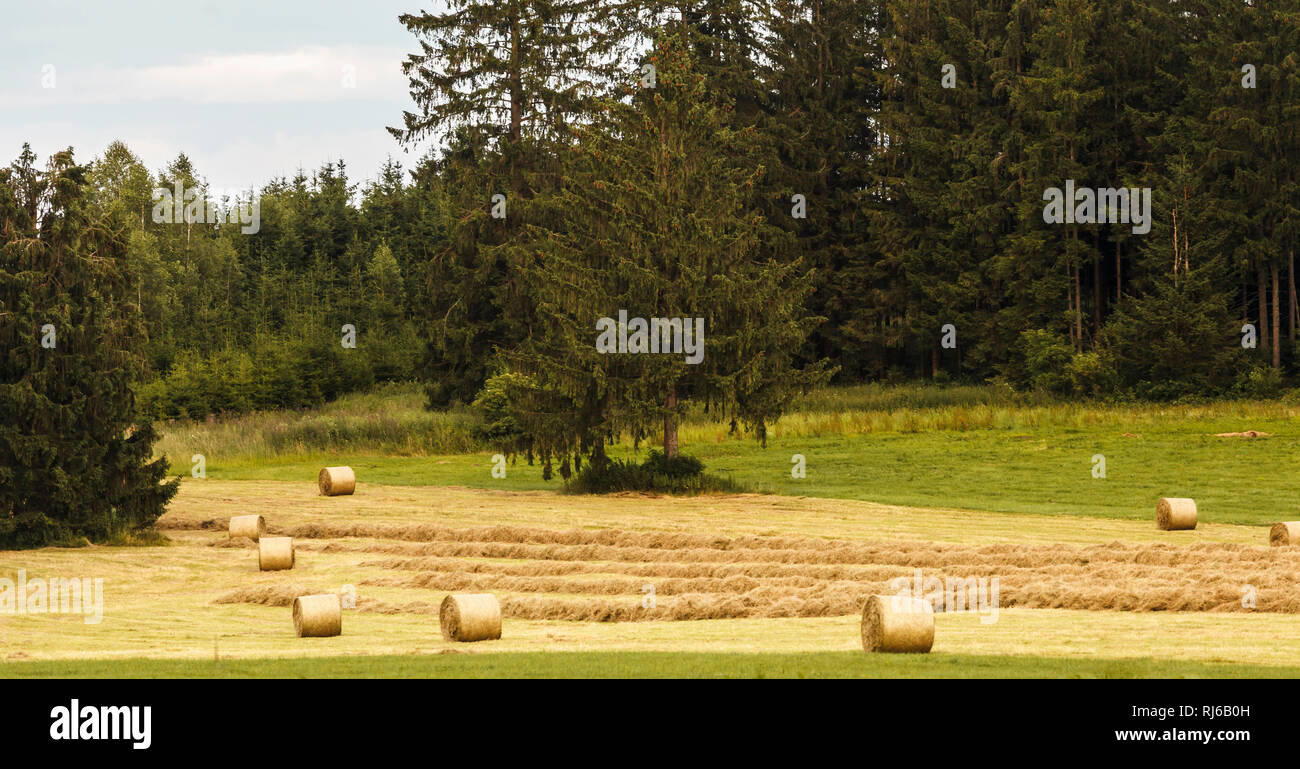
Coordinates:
[248,526]
[892,623]
[275,553]
[317,616]
[1284,534]
[470,617]
[334,481]
[1176,513]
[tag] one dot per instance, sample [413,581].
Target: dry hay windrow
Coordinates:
[1273,594]
[930,555]
[652,569]
[456,581]
[687,607]
[600,575]
[538,536]
[766,602]
[189,524]
[270,594]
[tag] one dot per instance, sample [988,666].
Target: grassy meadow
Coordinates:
[976,448]
[968,480]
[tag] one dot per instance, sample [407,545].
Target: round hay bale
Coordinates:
[1287,533]
[249,526]
[275,553]
[1176,513]
[334,481]
[892,623]
[317,616]
[470,617]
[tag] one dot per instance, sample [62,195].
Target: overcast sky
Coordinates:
[249,89]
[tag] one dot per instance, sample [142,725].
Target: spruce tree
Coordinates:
[496,85]
[820,121]
[75,460]
[660,221]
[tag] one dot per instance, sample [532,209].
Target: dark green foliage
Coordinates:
[924,208]
[238,321]
[1041,362]
[680,466]
[656,216]
[1175,341]
[271,374]
[499,417]
[75,460]
[680,475]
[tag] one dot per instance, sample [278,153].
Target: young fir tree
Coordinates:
[659,221]
[74,460]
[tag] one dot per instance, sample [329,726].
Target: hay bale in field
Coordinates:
[275,553]
[249,526]
[334,481]
[470,617]
[1176,513]
[892,623]
[1287,533]
[318,616]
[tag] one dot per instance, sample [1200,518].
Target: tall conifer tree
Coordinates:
[75,461]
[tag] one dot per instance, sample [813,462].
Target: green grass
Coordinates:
[1049,471]
[390,419]
[966,447]
[646,665]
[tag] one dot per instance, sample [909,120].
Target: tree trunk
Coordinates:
[1117,274]
[1293,310]
[1277,322]
[516,84]
[1078,309]
[1069,301]
[1096,296]
[934,361]
[1263,309]
[670,423]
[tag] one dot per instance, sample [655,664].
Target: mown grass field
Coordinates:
[955,482]
[163,603]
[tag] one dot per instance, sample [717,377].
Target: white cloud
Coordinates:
[308,74]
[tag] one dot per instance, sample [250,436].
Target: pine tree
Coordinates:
[74,460]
